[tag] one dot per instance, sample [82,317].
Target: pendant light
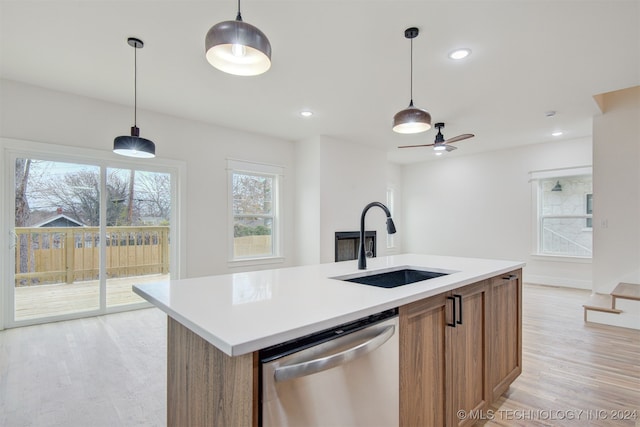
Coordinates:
[238,48]
[411,119]
[134,146]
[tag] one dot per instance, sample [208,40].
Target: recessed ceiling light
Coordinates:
[306,113]
[460,53]
[557,133]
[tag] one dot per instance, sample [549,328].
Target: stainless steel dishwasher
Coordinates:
[345,376]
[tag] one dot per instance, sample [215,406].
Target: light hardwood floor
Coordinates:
[100,371]
[111,370]
[573,374]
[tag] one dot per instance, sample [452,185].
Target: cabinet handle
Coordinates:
[510,277]
[459,298]
[453,305]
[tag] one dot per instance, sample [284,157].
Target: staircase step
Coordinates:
[627,291]
[600,302]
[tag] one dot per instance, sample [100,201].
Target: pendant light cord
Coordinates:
[238,16]
[411,75]
[135,86]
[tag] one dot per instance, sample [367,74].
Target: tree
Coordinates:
[117,194]
[154,194]
[77,194]
[252,194]
[23,167]
[22,181]
[130,194]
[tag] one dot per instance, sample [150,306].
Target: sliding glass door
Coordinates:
[83,235]
[56,262]
[137,238]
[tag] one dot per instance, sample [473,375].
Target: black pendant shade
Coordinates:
[238,48]
[133,145]
[411,119]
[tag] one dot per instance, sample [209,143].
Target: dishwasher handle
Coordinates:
[289,372]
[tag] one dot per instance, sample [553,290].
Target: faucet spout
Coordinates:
[391,229]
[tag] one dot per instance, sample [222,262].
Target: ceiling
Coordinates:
[345,60]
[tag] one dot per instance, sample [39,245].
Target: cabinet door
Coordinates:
[467,353]
[422,362]
[505,331]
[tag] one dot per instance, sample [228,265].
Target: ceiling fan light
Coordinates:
[439,147]
[411,120]
[238,48]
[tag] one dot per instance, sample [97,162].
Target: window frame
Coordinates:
[235,166]
[535,178]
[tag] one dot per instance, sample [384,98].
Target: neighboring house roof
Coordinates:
[60,220]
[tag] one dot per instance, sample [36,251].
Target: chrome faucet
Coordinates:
[391,229]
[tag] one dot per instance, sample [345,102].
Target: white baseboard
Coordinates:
[557,281]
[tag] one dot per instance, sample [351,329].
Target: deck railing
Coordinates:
[46,255]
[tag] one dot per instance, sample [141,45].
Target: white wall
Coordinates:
[480,206]
[616,189]
[340,178]
[307,202]
[352,175]
[41,115]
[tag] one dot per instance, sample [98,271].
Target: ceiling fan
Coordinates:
[440,144]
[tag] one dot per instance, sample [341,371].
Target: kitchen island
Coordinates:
[217,325]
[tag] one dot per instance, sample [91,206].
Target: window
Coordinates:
[564,212]
[254,191]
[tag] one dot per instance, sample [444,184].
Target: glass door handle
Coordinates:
[309,367]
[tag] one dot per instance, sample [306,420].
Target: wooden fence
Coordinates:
[251,245]
[46,255]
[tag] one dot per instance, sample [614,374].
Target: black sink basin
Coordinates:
[393,279]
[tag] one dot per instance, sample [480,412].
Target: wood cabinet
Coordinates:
[443,357]
[423,327]
[205,387]
[467,370]
[459,351]
[505,331]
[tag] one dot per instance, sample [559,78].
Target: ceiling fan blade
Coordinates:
[450,148]
[459,138]
[412,146]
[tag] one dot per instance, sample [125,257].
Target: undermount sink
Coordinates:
[393,278]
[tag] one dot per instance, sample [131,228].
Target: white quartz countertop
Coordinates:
[243,312]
